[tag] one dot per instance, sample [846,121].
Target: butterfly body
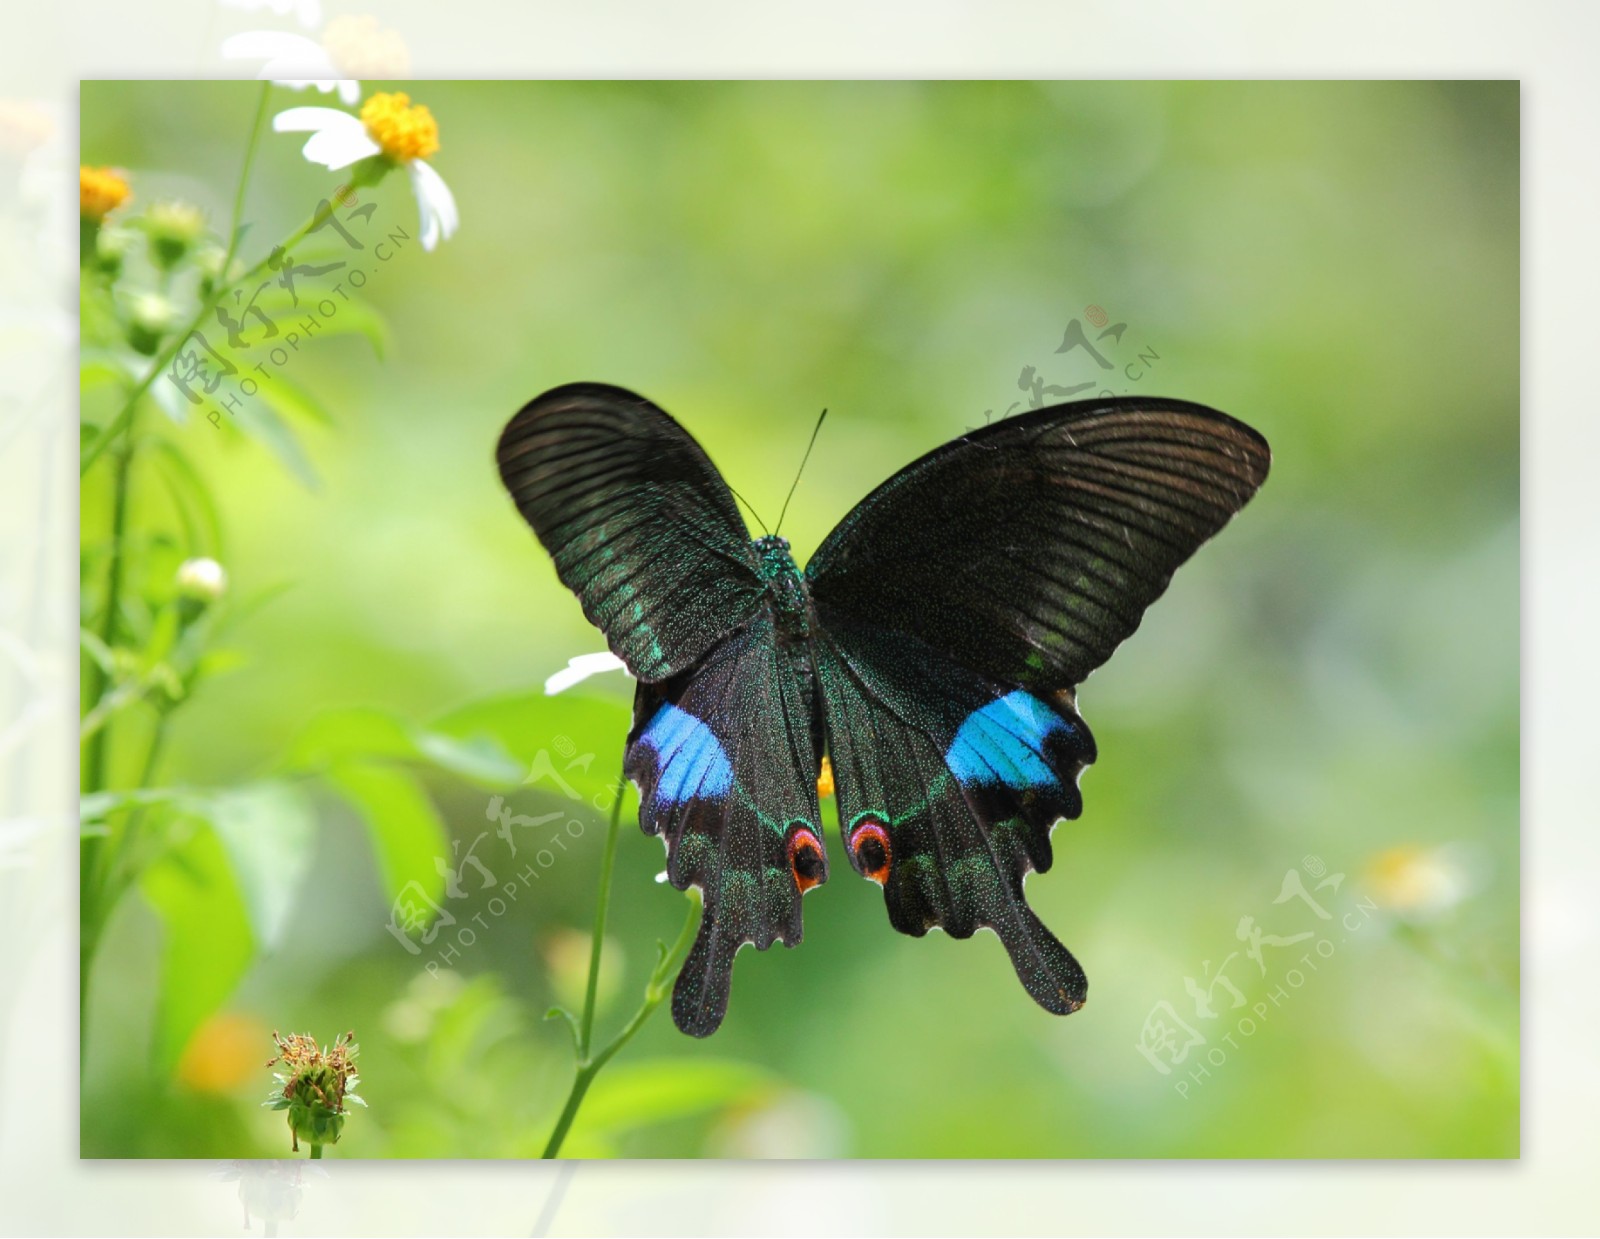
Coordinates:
[788,595]
[932,647]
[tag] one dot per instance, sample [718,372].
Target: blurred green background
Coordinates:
[1330,688]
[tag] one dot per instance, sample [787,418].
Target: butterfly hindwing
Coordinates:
[725,757]
[947,786]
[961,603]
[640,524]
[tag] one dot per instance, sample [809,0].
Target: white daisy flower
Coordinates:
[292,60]
[581,668]
[389,125]
[351,48]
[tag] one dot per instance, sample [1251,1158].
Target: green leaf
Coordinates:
[364,734]
[191,496]
[407,833]
[635,1095]
[206,941]
[357,317]
[268,831]
[354,315]
[163,635]
[97,806]
[293,401]
[561,1013]
[171,401]
[569,743]
[477,758]
[263,424]
[97,650]
[336,736]
[105,365]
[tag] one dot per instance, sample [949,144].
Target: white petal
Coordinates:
[435,204]
[349,91]
[293,120]
[581,668]
[309,12]
[337,139]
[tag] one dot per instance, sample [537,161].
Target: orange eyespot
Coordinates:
[869,843]
[806,860]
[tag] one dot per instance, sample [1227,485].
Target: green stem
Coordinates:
[95,756]
[608,862]
[234,228]
[97,753]
[656,989]
[316,1152]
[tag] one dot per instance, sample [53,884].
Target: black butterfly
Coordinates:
[932,647]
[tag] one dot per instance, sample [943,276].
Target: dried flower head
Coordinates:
[316,1083]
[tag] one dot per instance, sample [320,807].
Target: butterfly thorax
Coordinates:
[786,587]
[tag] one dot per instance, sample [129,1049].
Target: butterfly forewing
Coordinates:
[638,520]
[1030,549]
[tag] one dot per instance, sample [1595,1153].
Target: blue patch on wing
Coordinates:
[1003,742]
[688,755]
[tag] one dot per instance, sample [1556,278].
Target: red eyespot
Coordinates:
[806,860]
[869,843]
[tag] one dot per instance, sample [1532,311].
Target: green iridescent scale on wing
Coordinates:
[641,526]
[725,757]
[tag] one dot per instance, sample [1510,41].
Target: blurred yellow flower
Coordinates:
[1413,880]
[825,779]
[101,191]
[223,1054]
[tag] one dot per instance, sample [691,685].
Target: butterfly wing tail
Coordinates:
[1046,969]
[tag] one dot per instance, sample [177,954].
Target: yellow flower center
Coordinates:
[100,191]
[404,130]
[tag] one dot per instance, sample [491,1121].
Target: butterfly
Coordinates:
[931,649]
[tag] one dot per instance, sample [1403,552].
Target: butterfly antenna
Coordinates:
[814,433]
[752,508]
